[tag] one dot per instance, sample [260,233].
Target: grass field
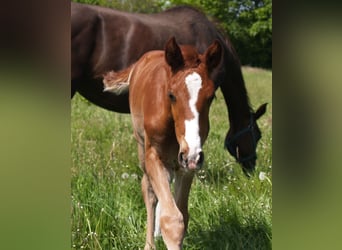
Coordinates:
[227,211]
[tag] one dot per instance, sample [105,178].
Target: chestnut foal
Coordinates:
[170,93]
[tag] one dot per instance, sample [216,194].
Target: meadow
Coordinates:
[227,210]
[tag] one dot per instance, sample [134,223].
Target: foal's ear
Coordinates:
[261,110]
[173,55]
[213,55]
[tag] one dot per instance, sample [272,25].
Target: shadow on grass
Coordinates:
[231,234]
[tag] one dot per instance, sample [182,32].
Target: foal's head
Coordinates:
[190,93]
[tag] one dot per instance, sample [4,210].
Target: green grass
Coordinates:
[227,211]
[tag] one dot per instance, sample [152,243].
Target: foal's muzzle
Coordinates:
[191,162]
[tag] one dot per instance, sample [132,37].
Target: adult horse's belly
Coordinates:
[94,93]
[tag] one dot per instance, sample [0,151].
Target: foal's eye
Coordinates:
[172,97]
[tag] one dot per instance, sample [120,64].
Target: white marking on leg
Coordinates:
[194,84]
[157,231]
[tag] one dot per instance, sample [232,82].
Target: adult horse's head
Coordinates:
[190,92]
[242,141]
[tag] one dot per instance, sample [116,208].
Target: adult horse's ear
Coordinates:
[173,55]
[260,111]
[213,55]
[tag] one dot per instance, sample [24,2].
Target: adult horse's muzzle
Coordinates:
[191,162]
[248,167]
[247,163]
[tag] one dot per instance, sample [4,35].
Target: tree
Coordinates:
[250,30]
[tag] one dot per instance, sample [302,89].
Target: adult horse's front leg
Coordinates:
[171,219]
[183,181]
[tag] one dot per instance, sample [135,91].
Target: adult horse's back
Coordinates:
[104,39]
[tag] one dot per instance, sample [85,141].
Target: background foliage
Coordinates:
[247,23]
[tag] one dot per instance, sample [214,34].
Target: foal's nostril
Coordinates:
[200,158]
[181,158]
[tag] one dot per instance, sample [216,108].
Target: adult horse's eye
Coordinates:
[172,97]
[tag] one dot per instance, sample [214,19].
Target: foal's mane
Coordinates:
[118,82]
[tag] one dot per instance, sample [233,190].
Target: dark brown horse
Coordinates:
[170,93]
[104,39]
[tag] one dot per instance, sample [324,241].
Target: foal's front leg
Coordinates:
[171,219]
[183,181]
[150,200]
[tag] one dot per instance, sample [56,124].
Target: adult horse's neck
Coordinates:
[234,91]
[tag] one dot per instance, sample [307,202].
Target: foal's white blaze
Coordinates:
[194,84]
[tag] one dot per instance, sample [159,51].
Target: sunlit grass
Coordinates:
[227,210]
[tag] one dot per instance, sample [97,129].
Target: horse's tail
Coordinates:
[117,82]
